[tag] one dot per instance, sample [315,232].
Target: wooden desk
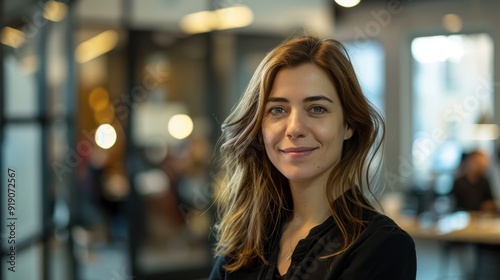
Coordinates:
[477,228]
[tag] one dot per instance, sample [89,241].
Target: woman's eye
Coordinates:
[276,110]
[318,110]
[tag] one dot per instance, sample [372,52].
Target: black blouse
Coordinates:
[382,251]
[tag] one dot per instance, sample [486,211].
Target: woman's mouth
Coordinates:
[297,152]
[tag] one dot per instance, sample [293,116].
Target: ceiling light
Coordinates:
[234,17]
[347,3]
[54,11]
[12,37]
[96,46]
[199,22]
[220,19]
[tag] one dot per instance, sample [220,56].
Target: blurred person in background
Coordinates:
[471,189]
[472,192]
[296,151]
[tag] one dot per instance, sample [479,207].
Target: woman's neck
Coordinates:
[310,205]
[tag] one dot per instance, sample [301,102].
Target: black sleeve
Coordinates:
[218,270]
[388,253]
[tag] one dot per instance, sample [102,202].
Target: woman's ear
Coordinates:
[348,133]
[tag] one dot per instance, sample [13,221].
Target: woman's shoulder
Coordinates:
[380,228]
[382,251]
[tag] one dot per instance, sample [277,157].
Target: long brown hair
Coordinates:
[255,196]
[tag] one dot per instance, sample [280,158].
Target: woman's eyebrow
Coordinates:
[277,99]
[307,99]
[317,98]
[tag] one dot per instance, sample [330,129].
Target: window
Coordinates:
[451,95]
[368,61]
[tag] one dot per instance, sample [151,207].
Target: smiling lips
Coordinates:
[297,152]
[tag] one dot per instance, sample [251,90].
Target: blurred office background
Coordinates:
[111,109]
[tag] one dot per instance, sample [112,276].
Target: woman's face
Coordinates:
[303,126]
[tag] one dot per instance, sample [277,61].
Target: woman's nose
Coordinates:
[296,126]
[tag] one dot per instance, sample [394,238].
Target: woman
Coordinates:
[296,151]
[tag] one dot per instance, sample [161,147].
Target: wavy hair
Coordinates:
[255,197]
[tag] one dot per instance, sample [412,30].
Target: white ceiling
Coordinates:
[269,16]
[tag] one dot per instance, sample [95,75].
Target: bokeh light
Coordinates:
[105,136]
[55,11]
[180,126]
[452,23]
[98,98]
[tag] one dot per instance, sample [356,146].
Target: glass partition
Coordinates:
[21,156]
[21,153]
[35,147]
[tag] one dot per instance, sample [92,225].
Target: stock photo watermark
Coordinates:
[11,220]
[380,19]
